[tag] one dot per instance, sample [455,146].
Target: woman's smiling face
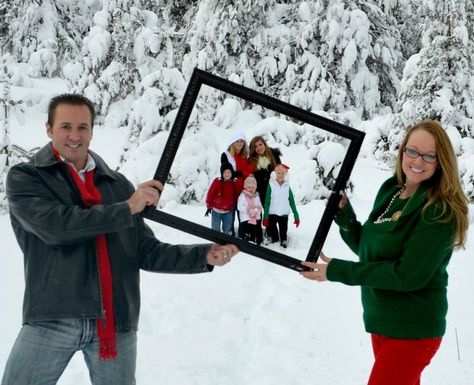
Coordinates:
[260,148]
[417,169]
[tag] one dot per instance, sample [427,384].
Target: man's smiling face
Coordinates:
[71,133]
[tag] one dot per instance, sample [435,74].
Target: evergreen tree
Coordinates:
[161,84]
[224,40]
[347,57]
[9,154]
[331,56]
[155,108]
[5,7]
[437,82]
[125,44]
[45,33]
[408,15]
[220,37]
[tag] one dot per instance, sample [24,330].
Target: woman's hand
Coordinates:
[319,269]
[343,201]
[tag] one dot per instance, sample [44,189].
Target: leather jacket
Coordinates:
[57,233]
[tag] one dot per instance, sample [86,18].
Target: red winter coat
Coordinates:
[222,195]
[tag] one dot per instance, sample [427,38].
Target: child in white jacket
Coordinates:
[279,201]
[250,212]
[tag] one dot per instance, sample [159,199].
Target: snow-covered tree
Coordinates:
[105,72]
[159,50]
[220,36]
[45,33]
[347,57]
[221,41]
[408,15]
[9,154]
[331,56]
[466,166]
[116,53]
[5,7]
[438,82]
[155,108]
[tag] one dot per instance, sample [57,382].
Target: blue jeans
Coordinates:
[227,220]
[43,349]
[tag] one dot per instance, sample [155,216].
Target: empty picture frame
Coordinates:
[170,150]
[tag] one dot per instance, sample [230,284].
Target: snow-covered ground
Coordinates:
[250,322]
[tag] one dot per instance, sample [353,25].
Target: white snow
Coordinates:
[250,322]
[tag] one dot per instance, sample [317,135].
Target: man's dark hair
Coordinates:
[75,100]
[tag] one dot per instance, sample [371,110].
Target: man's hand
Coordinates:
[219,255]
[147,194]
[208,211]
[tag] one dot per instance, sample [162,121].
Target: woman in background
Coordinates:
[263,160]
[237,154]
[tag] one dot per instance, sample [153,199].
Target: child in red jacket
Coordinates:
[221,200]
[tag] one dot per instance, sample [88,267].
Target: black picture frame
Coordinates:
[200,77]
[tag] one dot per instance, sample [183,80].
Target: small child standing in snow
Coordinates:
[250,212]
[279,201]
[221,200]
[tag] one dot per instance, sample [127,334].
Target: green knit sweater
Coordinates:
[402,268]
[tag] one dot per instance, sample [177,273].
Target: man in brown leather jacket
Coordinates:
[84,242]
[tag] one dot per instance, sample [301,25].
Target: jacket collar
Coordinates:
[45,158]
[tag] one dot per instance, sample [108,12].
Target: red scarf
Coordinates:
[91,196]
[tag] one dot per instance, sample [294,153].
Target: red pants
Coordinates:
[400,361]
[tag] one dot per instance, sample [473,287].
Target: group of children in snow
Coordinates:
[254,184]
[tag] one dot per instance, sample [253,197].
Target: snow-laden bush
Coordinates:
[466,167]
[316,179]
[155,108]
[43,62]
[195,166]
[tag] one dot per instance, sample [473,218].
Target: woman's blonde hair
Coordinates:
[243,153]
[445,185]
[253,156]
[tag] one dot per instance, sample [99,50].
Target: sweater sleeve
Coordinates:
[210,194]
[242,204]
[427,249]
[293,206]
[36,207]
[163,257]
[268,200]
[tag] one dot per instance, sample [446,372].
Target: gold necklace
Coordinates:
[396,215]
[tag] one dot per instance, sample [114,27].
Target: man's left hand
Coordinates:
[219,255]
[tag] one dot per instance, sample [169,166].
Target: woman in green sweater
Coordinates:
[419,216]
